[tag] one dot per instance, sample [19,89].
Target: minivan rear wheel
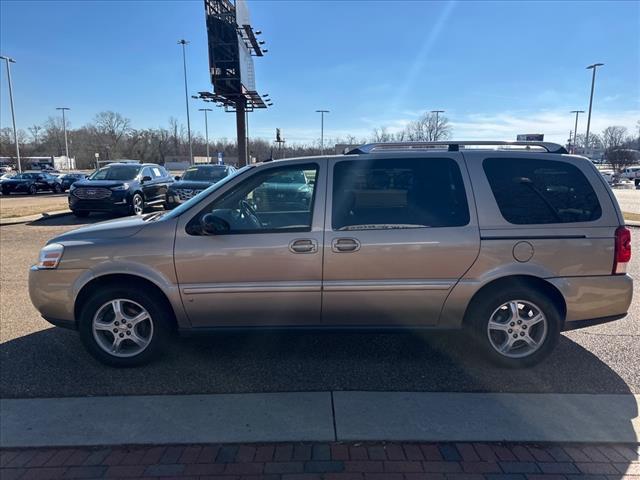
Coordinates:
[122,327]
[516,327]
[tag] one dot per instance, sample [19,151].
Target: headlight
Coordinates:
[124,186]
[50,256]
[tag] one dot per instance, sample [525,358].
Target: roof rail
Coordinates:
[452,146]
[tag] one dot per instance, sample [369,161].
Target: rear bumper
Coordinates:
[594,300]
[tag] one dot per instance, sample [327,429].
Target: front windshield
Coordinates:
[116,172]
[205,174]
[176,212]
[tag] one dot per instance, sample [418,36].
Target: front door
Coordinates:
[267,268]
[400,233]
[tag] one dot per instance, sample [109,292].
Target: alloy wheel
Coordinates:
[122,328]
[517,329]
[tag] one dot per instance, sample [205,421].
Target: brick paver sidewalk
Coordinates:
[336,461]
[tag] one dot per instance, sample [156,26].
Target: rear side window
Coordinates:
[398,193]
[534,191]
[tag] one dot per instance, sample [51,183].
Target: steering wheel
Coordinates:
[250,213]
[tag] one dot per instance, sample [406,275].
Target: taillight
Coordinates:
[622,250]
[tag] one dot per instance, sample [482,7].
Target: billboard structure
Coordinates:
[232,45]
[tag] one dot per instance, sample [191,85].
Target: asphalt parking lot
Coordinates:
[39,360]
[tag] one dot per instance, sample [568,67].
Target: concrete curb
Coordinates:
[34,218]
[632,223]
[319,416]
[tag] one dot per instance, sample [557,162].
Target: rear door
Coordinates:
[149,187]
[401,231]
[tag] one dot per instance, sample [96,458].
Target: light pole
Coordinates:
[593,82]
[322,112]
[206,128]
[435,134]
[9,60]
[183,42]
[64,129]
[575,131]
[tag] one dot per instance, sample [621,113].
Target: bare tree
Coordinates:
[621,157]
[112,127]
[35,133]
[613,137]
[429,128]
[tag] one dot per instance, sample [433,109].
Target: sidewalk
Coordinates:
[330,461]
[319,417]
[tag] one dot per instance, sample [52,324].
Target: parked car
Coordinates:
[513,246]
[193,181]
[31,183]
[68,179]
[610,176]
[632,173]
[120,188]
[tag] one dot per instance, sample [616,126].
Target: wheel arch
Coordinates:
[510,281]
[120,280]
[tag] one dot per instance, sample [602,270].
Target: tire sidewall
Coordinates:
[57,189]
[33,190]
[481,313]
[133,197]
[153,305]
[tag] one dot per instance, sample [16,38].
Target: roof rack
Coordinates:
[452,146]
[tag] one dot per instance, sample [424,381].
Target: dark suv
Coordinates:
[121,188]
[193,181]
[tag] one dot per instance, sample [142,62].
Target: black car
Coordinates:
[68,179]
[193,181]
[120,188]
[31,183]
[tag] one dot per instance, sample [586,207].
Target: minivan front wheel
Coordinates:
[516,328]
[123,328]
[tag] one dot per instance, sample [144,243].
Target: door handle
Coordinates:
[341,245]
[303,245]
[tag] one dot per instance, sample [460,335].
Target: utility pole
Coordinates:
[64,129]
[206,128]
[322,112]
[435,134]
[575,131]
[9,60]
[593,81]
[184,43]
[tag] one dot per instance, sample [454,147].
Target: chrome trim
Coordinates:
[384,285]
[452,146]
[305,286]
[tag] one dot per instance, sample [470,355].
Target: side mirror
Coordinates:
[177,177]
[212,225]
[146,178]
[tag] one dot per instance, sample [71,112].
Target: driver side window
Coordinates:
[274,200]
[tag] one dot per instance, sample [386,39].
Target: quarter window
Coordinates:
[398,193]
[535,191]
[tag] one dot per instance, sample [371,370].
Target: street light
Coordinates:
[9,60]
[437,112]
[322,112]
[64,129]
[206,128]
[183,42]
[593,81]
[575,130]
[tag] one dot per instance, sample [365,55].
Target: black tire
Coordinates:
[137,197]
[81,213]
[33,190]
[482,309]
[57,188]
[155,306]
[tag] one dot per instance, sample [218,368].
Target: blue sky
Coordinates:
[497,68]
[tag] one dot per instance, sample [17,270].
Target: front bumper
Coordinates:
[53,293]
[117,203]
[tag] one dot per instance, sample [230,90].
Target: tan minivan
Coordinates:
[513,242]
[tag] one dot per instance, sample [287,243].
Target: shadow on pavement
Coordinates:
[53,362]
